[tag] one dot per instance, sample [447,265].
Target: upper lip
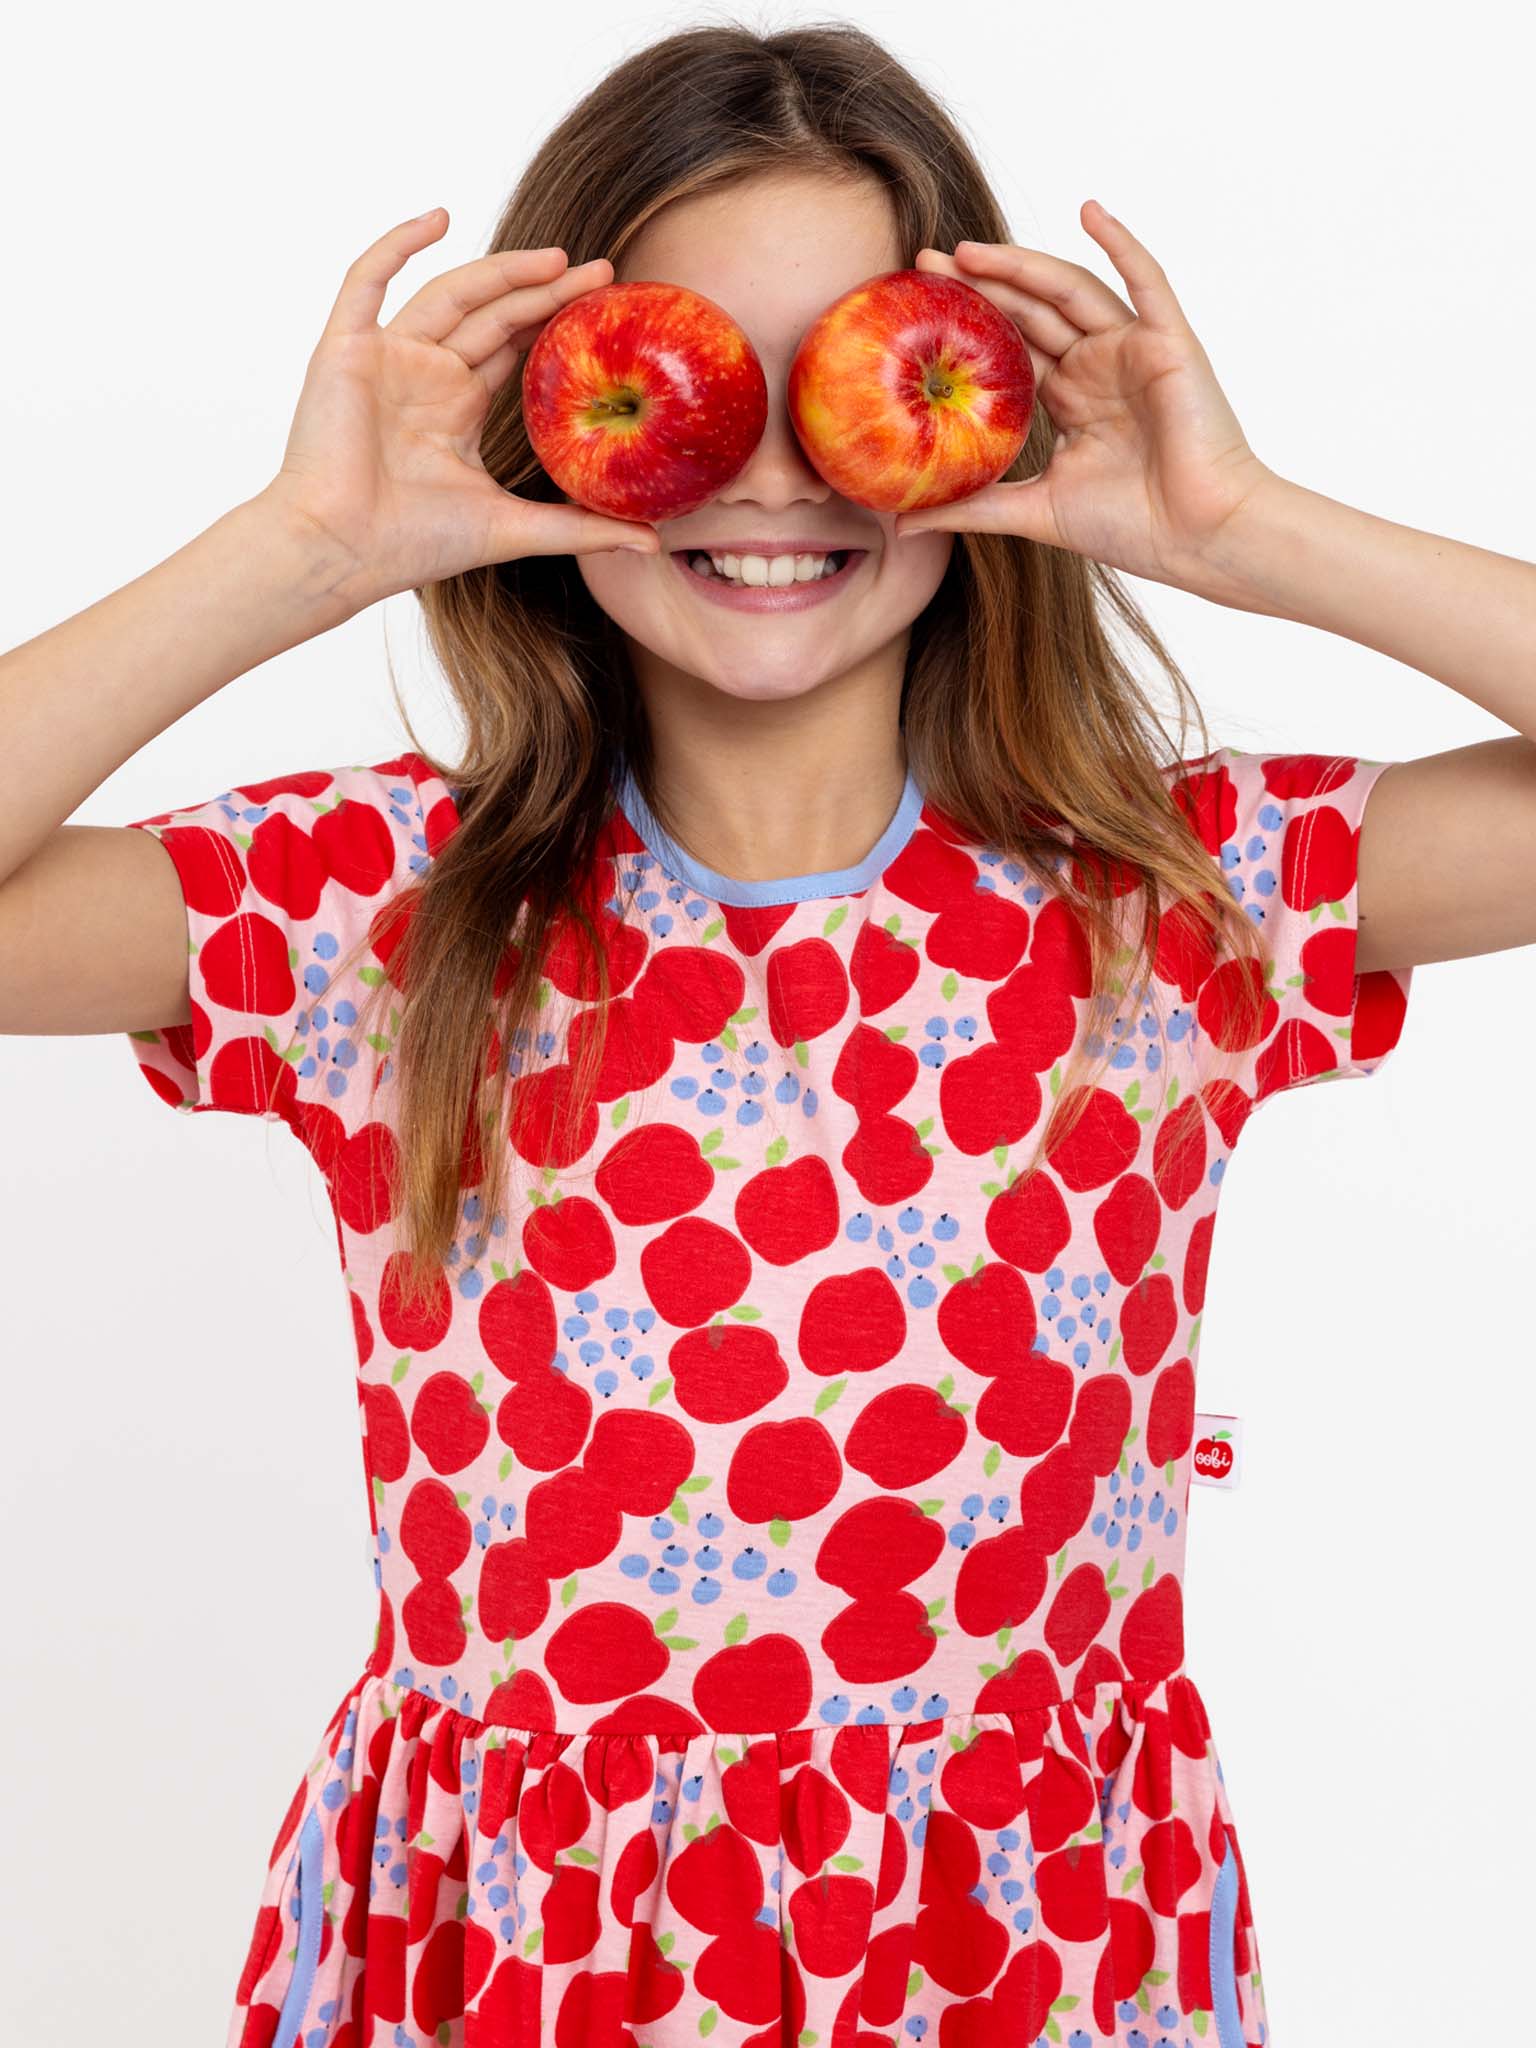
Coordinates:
[792,545]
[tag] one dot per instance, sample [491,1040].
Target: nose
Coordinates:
[777,472]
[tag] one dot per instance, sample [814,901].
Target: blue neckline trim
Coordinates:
[720,888]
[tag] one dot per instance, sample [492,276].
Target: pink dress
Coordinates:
[779,1535]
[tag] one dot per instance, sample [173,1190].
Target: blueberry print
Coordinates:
[778,1529]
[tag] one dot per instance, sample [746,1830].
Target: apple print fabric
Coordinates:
[779,1533]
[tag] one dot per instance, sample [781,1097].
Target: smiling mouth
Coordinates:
[700,563]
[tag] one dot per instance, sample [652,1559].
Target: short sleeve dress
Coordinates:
[779,1535]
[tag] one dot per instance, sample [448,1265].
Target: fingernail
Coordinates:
[635,547]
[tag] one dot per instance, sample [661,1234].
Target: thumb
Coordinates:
[1021,509]
[536,528]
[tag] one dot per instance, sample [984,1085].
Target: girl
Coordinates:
[773,1088]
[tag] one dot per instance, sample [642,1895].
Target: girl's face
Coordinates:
[774,252]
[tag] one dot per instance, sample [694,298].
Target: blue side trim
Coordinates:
[310,1894]
[718,888]
[1229,2023]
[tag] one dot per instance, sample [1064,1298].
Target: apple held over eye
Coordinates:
[913,389]
[643,400]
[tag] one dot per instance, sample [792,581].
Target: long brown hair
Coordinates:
[1022,722]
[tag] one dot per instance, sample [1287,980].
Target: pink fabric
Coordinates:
[779,1539]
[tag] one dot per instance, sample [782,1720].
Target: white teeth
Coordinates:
[763,571]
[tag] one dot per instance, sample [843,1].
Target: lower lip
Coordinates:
[788,597]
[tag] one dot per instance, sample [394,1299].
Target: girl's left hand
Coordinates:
[1149,462]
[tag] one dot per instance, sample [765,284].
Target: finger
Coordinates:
[1047,333]
[518,315]
[1145,279]
[357,304]
[1022,509]
[444,303]
[536,527]
[1076,293]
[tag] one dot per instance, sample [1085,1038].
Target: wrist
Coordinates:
[1236,566]
[299,556]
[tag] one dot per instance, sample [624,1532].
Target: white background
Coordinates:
[1341,198]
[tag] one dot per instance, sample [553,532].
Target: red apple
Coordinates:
[643,400]
[910,390]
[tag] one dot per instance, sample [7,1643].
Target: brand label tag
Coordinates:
[1217,1457]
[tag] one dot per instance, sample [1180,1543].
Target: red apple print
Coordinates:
[1223,1007]
[1149,1321]
[514,1590]
[750,1687]
[982,1782]
[743,1971]
[715,1881]
[654,1173]
[851,1322]
[360,1185]
[517,1325]
[1178,1153]
[860,1759]
[1170,1858]
[571,1522]
[1001,1583]
[1033,1017]
[750,1791]
[987,1098]
[987,1320]
[604,1650]
[1077,1613]
[877,1545]
[448,1422]
[1055,1498]
[1319,857]
[1171,1413]
[880,1637]
[355,842]
[1194,1975]
[1229,1108]
[750,926]
[570,1242]
[983,934]
[651,1986]
[726,1371]
[434,1530]
[1070,1888]
[508,2009]
[1298,1052]
[831,1918]
[873,1072]
[930,873]
[807,990]
[545,1419]
[539,1118]
[572,1918]
[787,1212]
[1100,1421]
[1027,1224]
[1152,1632]
[881,968]
[814,1818]
[957,1941]
[783,1471]
[389,1436]
[634,1872]
[287,868]
[637,1047]
[1197,1264]
[617,1773]
[694,1269]
[905,1435]
[553,1814]
[431,1617]
[888,1159]
[694,992]
[1103,1143]
[419,1330]
[640,1458]
[1126,1225]
[1026,1410]
[569,963]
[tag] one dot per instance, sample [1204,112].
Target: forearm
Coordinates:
[80,699]
[1461,614]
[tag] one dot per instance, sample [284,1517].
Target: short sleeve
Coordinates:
[1285,829]
[280,880]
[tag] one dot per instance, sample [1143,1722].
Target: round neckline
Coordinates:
[681,865]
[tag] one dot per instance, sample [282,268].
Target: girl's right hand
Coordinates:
[383,458]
